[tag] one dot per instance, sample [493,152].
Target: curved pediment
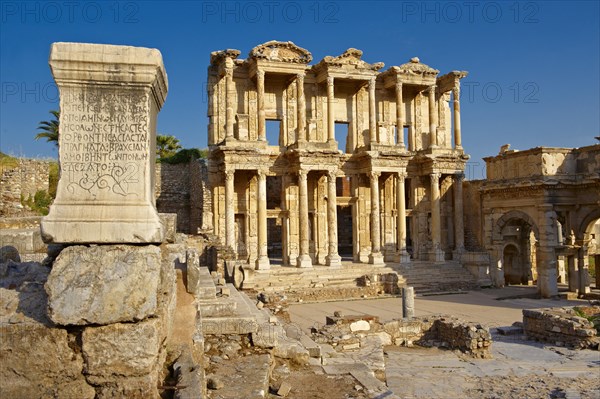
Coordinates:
[353,57]
[217,56]
[282,52]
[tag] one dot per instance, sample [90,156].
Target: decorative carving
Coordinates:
[282,52]
[219,56]
[416,67]
[352,56]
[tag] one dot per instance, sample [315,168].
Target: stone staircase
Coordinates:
[430,278]
[350,276]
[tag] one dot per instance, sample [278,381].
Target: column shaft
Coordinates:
[459,229]
[457,133]
[304,258]
[260,99]
[372,112]
[333,258]
[229,209]
[263,259]
[229,116]
[330,114]
[375,257]
[432,118]
[436,234]
[301,105]
[399,115]
[401,222]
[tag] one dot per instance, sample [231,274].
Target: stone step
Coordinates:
[242,377]
[206,284]
[241,321]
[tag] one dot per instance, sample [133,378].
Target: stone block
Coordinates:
[284,389]
[192,260]
[169,221]
[109,99]
[360,325]
[103,284]
[121,350]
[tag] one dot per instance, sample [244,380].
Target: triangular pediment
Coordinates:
[352,57]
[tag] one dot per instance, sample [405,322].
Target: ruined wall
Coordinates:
[183,189]
[561,326]
[24,180]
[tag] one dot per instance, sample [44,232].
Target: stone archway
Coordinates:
[515,237]
[589,234]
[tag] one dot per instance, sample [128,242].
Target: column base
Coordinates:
[376,258]
[457,254]
[403,257]
[334,260]
[262,263]
[304,261]
[437,255]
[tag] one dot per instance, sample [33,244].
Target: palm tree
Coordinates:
[166,145]
[49,129]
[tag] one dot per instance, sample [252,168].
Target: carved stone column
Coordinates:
[330,115]
[333,258]
[457,133]
[304,258]
[301,105]
[573,264]
[375,257]
[229,89]
[229,209]
[262,262]
[584,273]
[372,112]
[260,99]
[403,256]
[437,255]
[459,228]
[432,118]
[399,115]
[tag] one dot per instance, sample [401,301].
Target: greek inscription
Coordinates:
[104,139]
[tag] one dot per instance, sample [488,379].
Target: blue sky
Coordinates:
[534,67]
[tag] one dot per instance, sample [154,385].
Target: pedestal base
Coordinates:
[304,261]
[262,263]
[102,224]
[437,255]
[334,260]
[403,257]
[376,258]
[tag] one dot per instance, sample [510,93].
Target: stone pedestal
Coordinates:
[109,99]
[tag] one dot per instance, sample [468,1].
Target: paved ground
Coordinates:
[479,306]
[519,368]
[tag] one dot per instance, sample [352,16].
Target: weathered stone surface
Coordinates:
[103,284]
[121,350]
[37,360]
[109,99]
[360,325]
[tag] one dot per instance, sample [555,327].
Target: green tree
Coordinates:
[166,145]
[49,129]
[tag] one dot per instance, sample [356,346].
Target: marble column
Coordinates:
[262,262]
[399,116]
[403,256]
[229,209]
[304,258]
[457,133]
[229,116]
[333,258]
[372,112]
[573,273]
[330,114]
[584,273]
[459,228]
[301,108]
[432,118]
[260,99]
[376,256]
[437,255]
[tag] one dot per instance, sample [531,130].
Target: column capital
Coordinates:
[229,174]
[374,174]
[401,176]
[435,177]
[262,175]
[330,80]
[260,74]
[459,177]
[372,82]
[300,76]
[302,173]
[432,88]
[228,72]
